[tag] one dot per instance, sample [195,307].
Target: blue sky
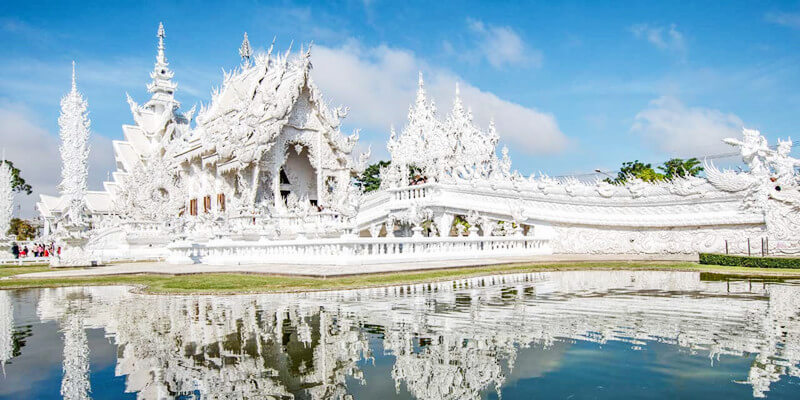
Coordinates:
[573,86]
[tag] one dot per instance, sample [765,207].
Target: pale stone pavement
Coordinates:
[339,270]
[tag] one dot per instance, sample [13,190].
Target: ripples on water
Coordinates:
[576,334]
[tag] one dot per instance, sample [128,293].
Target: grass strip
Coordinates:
[237,283]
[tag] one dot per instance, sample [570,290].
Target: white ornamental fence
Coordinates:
[354,251]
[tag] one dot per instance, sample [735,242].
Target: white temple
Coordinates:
[264,174]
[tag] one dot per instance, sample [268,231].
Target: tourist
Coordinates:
[15,250]
[24,251]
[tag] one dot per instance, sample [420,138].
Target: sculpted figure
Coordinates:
[754,149]
[782,164]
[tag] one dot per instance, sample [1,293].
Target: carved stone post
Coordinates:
[443,223]
[486,226]
[375,230]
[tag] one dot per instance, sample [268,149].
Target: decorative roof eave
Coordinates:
[190,153]
[209,159]
[229,166]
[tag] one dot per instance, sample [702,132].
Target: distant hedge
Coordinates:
[744,261]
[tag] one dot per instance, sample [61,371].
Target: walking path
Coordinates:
[331,271]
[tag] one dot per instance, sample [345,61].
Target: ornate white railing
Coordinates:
[356,250]
[411,192]
[287,224]
[8,260]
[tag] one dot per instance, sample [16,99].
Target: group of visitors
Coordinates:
[36,250]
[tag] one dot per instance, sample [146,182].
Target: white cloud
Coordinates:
[500,45]
[684,131]
[34,151]
[791,20]
[662,37]
[379,84]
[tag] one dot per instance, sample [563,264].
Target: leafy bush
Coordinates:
[744,261]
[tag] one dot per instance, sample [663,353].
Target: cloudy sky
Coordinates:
[572,86]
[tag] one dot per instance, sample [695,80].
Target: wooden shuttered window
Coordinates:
[221,201]
[206,204]
[193,207]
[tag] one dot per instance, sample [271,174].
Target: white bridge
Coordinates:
[355,250]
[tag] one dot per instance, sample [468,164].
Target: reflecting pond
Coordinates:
[570,334]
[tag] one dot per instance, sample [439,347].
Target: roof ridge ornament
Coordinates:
[74,80]
[271,47]
[161,35]
[245,51]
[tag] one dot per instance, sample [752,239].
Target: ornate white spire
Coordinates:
[457,105]
[74,127]
[6,197]
[245,51]
[421,97]
[162,87]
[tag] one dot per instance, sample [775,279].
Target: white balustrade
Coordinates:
[348,251]
[414,192]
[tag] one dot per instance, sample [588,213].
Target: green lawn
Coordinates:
[223,283]
[9,270]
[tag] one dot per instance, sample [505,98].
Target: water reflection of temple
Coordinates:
[450,340]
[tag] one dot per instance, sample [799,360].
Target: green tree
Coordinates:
[22,229]
[636,169]
[17,182]
[680,168]
[370,179]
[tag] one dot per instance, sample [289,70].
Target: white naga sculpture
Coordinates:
[771,186]
[264,174]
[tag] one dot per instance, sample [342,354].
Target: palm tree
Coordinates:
[680,168]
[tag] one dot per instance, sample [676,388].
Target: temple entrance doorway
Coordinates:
[298,178]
